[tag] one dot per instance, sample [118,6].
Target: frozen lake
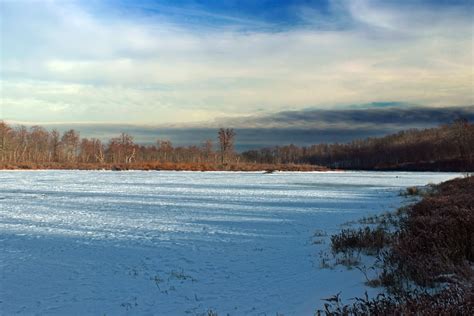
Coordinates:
[176,243]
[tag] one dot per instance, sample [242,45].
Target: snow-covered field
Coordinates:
[177,243]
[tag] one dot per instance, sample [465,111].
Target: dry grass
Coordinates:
[368,240]
[453,300]
[427,262]
[435,242]
[269,168]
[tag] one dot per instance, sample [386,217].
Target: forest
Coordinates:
[445,148]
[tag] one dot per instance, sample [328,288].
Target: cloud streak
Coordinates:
[388,116]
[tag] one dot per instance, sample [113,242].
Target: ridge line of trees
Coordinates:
[38,145]
[448,148]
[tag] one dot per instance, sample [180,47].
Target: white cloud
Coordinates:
[61,62]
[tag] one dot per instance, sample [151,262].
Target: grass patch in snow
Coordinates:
[367,240]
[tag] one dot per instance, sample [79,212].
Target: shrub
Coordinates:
[435,242]
[433,246]
[368,240]
[454,300]
[410,191]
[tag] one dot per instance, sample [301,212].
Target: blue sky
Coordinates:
[195,63]
[274,15]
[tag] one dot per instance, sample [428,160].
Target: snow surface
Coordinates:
[177,243]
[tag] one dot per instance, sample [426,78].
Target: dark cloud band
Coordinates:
[291,127]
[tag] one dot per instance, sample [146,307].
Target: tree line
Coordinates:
[38,145]
[448,147]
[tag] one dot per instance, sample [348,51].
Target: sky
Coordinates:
[194,64]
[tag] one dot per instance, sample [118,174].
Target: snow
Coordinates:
[177,243]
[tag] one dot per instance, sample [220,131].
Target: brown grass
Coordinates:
[427,267]
[364,239]
[435,242]
[269,168]
[453,300]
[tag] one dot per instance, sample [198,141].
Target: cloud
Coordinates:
[68,62]
[388,116]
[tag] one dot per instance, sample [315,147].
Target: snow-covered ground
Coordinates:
[177,243]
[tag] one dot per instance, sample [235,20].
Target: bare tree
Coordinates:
[226,142]
[122,148]
[39,140]
[70,143]
[5,139]
[165,149]
[54,145]
[460,130]
[207,151]
[22,144]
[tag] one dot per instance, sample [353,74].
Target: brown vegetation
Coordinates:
[428,265]
[453,300]
[449,147]
[38,148]
[366,239]
[148,166]
[446,148]
[435,242]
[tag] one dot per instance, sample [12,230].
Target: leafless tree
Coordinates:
[70,144]
[226,143]
[122,149]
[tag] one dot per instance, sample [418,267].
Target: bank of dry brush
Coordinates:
[426,259]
